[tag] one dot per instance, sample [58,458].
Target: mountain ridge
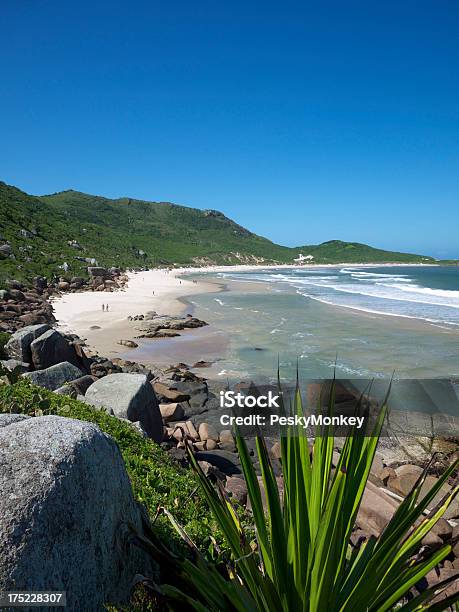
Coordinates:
[61,233]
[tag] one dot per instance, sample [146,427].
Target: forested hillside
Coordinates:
[63,233]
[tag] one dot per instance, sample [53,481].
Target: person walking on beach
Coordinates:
[106,308]
[103,307]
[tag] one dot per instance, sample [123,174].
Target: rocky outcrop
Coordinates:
[21,306]
[64,510]
[48,354]
[102,279]
[162,326]
[129,396]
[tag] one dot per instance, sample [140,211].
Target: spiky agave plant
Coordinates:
[302,559]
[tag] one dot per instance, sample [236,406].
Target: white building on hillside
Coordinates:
[303,258]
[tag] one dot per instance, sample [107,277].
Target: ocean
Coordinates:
[368,322]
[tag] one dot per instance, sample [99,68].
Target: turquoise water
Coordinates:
[371,322]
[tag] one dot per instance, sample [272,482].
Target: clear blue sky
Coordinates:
[304,121]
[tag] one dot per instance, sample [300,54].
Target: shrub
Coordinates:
[4,337]
[302,557]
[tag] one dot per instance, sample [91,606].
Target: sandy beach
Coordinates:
[159,290]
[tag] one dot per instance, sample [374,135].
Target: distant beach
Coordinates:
[250,306]
[152,290]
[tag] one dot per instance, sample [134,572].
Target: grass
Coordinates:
[156,479]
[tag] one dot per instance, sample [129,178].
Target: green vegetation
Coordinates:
[4,337]
[303,559]
[132,233]
[336,251]
[156,479]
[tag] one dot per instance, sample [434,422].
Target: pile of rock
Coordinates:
[105,279]
[387,486]
[163,326]
[21,306]
[100,279]
[58,363]
[46,357]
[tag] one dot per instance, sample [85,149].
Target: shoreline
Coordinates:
[156,290]
[167,292]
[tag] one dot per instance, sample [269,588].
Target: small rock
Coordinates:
[184,428]
[171,412]
[225,461]
[211,470]
[128,343]
[377,466]
[406,477]
[173,395]
[443,529]
[82,384]
[376,510]
[202,364]
[387,474]
[276,450]
[237,488]
[226,436]
[5,250]
[207,432]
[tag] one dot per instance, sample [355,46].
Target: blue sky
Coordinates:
[303,121]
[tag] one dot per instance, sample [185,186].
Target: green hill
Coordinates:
[39,235]
[337,251]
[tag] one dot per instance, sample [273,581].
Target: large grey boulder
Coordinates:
[65,505]
[54,377]
[129,396]
[51,348]
[18,346]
